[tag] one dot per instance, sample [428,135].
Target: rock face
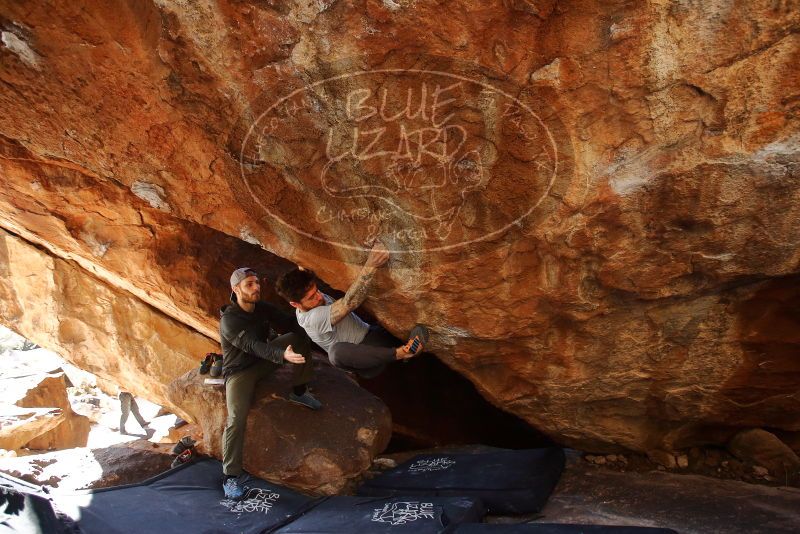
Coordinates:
[99,327]
[765,449]
[51,391]
[55,426]
[315,452]
[20,425]
[594,205]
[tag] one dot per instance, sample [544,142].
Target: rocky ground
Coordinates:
[681,491]
[85,468]
[687,503]
[709,462]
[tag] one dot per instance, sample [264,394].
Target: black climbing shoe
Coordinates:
[417,340]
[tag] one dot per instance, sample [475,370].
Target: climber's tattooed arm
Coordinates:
[354,296]
[358,290]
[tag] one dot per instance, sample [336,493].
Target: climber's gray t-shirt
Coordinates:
[317,324]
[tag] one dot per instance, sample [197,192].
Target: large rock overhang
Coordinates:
[645,301]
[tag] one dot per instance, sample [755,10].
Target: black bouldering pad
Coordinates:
[555,528]
[370,515]
[507,481]
[185,499]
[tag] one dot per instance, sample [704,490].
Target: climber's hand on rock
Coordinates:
[378,255]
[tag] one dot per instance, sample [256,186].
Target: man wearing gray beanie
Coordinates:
[252,351]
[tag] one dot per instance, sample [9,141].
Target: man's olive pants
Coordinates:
[239,389]
[127,405]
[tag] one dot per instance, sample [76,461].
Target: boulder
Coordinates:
[72,432]
[318,452]
[610,254]
[175,434]
[18,425]
[765,449]
[130,463]
[663,458]
[682,461]
[50,390]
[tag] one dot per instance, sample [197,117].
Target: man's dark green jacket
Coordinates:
[246,336]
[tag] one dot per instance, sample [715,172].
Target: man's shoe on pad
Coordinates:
[234,487]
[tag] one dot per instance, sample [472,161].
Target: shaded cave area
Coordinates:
[434,406]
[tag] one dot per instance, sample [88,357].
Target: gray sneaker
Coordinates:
[234,487]
[306,399]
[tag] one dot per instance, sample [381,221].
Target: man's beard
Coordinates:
[252,298]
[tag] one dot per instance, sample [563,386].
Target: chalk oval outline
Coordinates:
[484,237]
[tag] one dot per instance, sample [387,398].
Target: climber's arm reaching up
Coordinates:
[357,292]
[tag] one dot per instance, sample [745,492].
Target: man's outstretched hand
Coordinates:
[292,357]
[378,255]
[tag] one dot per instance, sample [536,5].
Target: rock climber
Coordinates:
[352,344]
